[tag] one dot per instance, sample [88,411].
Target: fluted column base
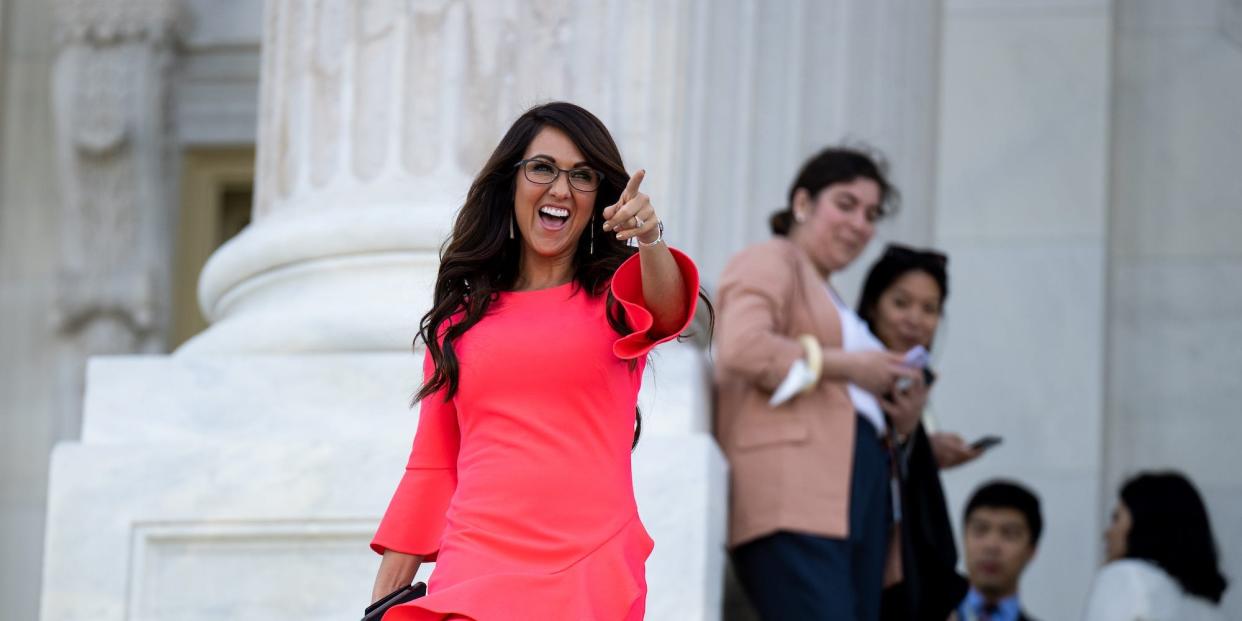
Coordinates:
[333,280]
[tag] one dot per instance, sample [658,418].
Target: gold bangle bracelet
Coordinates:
[814,360]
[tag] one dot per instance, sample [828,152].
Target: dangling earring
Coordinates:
[591,249]
[510,226]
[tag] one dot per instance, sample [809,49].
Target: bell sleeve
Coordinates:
[414,521]
[627,288]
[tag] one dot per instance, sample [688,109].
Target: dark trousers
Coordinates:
[793,576]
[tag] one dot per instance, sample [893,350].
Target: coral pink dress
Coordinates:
[519,487]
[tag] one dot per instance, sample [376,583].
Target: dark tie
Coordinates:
[987,612]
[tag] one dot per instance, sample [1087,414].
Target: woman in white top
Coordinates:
[1162,562]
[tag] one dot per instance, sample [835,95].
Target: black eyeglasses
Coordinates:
[897,251]
[544,172]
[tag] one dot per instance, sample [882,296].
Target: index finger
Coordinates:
[631,188]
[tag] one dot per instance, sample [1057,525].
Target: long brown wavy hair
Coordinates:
[479,260]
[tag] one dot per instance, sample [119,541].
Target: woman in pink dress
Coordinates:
[519,484]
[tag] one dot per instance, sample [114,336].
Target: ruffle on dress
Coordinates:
[627,287]
[572,593]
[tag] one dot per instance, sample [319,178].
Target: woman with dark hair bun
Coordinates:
[1162,561]
[519,484]
[810,512]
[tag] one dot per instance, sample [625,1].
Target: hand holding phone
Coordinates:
[916,358]
[952,451]
[985,443]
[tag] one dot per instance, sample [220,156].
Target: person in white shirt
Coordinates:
[1162,560]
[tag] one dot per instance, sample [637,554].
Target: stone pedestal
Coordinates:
[247,487]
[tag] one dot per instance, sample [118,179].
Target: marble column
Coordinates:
[374,117]
[771,83]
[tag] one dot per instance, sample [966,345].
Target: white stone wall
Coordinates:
[1022,210]
[1175,277]
[1088,198]
[37,404]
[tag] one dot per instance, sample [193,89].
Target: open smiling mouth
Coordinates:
[553,218]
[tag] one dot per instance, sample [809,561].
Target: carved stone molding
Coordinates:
[110,21]
[110,109]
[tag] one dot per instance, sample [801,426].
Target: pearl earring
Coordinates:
[591,249]
[510,226]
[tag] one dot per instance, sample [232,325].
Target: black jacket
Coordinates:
[931,587]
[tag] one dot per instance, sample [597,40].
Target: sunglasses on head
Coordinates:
[897,251]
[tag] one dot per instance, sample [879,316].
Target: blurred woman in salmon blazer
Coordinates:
[810,506]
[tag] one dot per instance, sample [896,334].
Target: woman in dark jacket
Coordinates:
[902,303]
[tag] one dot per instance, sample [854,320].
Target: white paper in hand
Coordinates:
[918,357]
[797,378]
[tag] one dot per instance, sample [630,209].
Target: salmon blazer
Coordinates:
[790,465]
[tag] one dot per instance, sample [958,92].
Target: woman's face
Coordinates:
[835,225]
[551,217]
[1118,532]
[908,312]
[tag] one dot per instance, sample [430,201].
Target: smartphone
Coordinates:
[904,384]
[985,443]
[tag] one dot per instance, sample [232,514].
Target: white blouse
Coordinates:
[1135,590]
[856,336]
